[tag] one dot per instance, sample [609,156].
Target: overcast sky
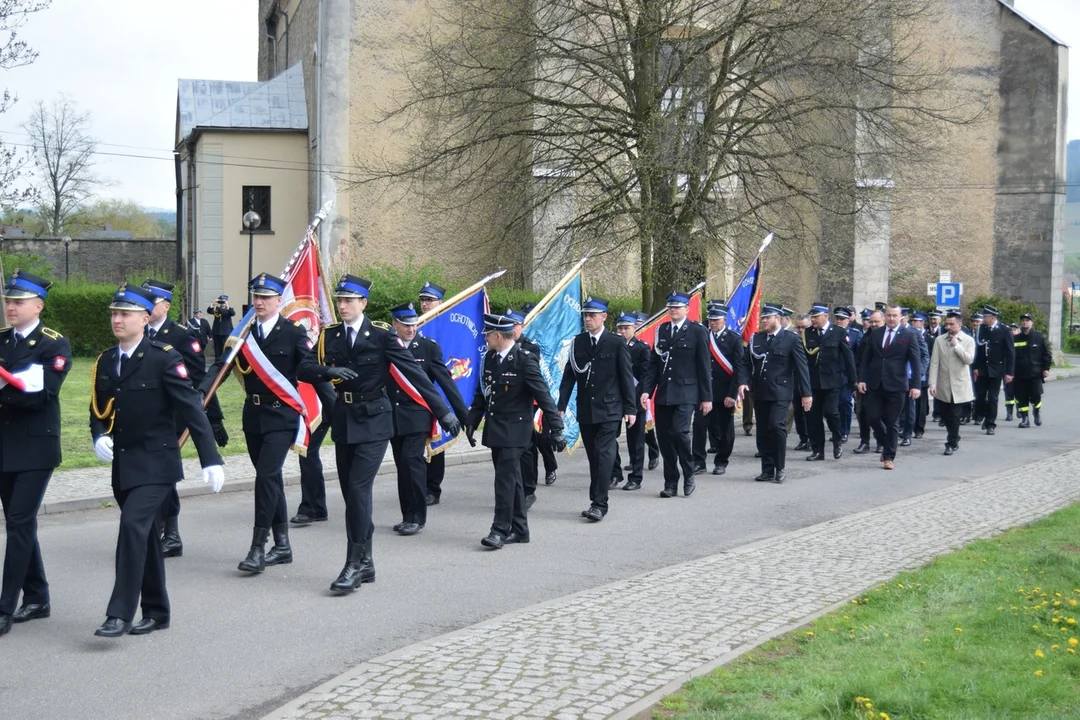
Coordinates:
[120,60]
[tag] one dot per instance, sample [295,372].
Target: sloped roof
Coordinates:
[277,104]
[1026,18]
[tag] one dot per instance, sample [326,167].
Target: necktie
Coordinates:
[350,335]
[152,333]
[888,339]
[18,339]
[593,342]
[768,341]
[123,362]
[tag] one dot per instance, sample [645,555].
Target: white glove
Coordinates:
[214,475]
[103,448]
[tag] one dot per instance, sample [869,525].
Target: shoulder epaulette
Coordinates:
[297,323]
[6,327]
[331,326]
[525,352]
[161,346]
[50,333]
[381,325]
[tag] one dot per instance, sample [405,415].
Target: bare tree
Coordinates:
[63,152]
[673,127]
[14,53]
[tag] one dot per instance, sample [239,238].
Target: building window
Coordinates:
[257,198]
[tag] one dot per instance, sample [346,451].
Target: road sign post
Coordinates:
[948,294]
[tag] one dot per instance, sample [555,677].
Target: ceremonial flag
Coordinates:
[552,325]
[744,305]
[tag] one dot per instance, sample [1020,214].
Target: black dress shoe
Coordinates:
[879,449]
[302,519]
[719,470]
[431,500]
[906,442]
[837,451]
[549,479]
[748,430]
[113,628]
[628,468]
[815,457]
[948,450]
[700,468]
[764,477]
[614,482]
[990,430]
[941,423]
[688,487]
[918,436]
[530,500]
[669,493]
[802,446]
[32,611]
[632,486]
[148,625]
[594,513]
[779,477]
[5,623]
[409,528]
[494,541]
[757,455]
[519,538]
[863,448]
[398,527]
[843,438]
[653,463]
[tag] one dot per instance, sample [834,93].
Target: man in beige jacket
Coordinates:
[950,378]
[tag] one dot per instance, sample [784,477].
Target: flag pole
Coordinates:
[558,286]
[449,304]
[659,313]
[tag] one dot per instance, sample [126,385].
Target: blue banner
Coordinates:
[741,305]
[553,328]
[459,330]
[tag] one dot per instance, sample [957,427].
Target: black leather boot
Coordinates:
[357,560]
[1008,413]
[281,553]
[1035,415]
[171,543]
[1024,421]
[255,562]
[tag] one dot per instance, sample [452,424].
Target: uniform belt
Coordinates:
[351,398]
[264,399]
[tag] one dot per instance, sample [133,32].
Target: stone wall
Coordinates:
[105,261]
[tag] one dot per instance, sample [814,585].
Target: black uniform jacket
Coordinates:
[223,324]
[680,370]
[137,409]
[994,352]
[725,385]
[887,370]
[1032,355]
[505,395]
[412,417]
[640,359]
[830,358]
[200,329]
[30,422]
[778,373]
[363,411]
[604,378]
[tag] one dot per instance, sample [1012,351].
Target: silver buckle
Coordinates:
[255,400]
[347,396]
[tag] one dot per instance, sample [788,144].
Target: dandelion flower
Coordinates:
[1073,642]
[1039,653]
[959,629]
[1038,673]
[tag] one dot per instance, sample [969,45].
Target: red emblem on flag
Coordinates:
[59,363]
[196,346]
[181,370]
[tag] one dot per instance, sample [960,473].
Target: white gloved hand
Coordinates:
[214,475]
[103,448]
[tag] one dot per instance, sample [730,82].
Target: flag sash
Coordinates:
[719,357]
[280,386]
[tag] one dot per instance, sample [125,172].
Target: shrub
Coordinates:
[916,303]
[1010,310]
[31,263]
[79,311]
[1072,344]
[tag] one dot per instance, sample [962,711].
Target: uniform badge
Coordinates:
[59,363]
[196,346]
[181,370]
[33,343]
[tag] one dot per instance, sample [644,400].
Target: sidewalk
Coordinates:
[90,487]
[616,650]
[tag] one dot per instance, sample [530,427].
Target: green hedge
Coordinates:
[1072,344]
[916,303]
[1010,310]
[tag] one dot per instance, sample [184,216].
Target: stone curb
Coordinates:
[387,467]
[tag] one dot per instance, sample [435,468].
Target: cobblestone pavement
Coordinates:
[607,652]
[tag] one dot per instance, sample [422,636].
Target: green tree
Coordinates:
[118,214]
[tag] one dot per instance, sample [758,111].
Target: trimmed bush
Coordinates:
[916,303]
[1010,310]
[1072,344]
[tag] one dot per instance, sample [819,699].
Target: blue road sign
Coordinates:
[948,294]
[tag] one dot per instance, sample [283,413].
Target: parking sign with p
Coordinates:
[948,294]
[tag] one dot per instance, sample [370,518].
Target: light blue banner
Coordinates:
[553,329]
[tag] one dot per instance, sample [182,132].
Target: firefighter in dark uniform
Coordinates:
[223,324]
[973,410]
[510,382]
[367,362]
[934,329]
[138,389]
[431,296]
[1007,388]
[650,433]
[681,374]
[994,360]
[832,366]
[640,353]
[728,375]
[1033,361]
[778,374]
[198,326]
[163,330]
[545,448]
[312,507]
[843,316]
[599,367]
[270,424]
[530,464]
[873,319]
[38,359]
[413,421]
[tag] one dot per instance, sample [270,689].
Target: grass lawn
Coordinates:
[987,632]
[75,417]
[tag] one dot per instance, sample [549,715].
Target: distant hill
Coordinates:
[166,215]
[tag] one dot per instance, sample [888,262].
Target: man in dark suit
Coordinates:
[728,375]
[994,363]
[681,375]
[889,372]
[271,424]
[137,388]
[510,382]
[223,324]
[874,319]
[413,420]
[530,457]
[830,362]
[635,432]
[934,330]
[650,433]
[599,367]
[35,360]
[367,361]
[842,316]
[431,297]
[200,328]
[776,360]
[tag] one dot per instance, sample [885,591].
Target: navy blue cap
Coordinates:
[842,312]
[955,314]
[1026,316]
[990,310]
[527,307]
[934,314]
[24,285]
[223,298]
[717,311]
[594,304]
[641,317]
[771,310]
[432,291]
[977,316]
[352,286]
[818,308]
[267,285]
[881,306]
[405,314]
[866,313]
[905,311]
[786,311]
[918,316]
[159,288]
[628,317]
[132,297]
[678,298]
[498,323]
[514,315]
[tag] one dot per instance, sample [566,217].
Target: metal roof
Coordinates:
[277,104]
[1030,21]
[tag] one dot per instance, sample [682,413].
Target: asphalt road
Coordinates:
[240,646]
